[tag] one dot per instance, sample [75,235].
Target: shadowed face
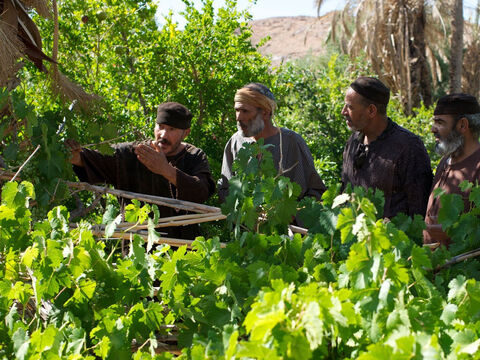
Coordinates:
[355,111]
[250,120]
[170,138]
[449,141]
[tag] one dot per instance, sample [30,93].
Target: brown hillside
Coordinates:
[292,37]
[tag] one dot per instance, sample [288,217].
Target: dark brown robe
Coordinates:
[448,177]
[396,163]
[125,172]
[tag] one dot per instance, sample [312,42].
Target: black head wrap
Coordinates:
[371,89]
[457,104]
[174,114]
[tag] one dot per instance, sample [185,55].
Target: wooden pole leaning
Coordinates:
[162,240]
[158,200]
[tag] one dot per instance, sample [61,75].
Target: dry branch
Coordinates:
[181,220]
[7,175]
[158,200]
[459,258]
[161,240]
[297,229]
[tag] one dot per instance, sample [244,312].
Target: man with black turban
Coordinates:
[381,154]
[254,107]
[456,126]
[166,167]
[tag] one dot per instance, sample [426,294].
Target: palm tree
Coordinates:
[471,63]
[393,36]
[456,47]
[407,54]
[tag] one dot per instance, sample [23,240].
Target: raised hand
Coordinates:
[151,155]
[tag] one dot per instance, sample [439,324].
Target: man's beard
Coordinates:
[255,127]
[451,145]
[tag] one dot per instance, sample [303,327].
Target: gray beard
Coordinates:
[452,145]
[256,126]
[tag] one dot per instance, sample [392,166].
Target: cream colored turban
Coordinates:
[255,97]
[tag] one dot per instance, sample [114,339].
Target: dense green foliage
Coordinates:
[354,287]
[115,50]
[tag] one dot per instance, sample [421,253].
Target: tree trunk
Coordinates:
[419,70]
[456,48]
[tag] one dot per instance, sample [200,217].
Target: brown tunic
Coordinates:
[448,177]
[396,163]
[125,172]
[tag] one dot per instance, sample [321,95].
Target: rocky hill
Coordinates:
[292,37]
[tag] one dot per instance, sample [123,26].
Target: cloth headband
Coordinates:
[255,98]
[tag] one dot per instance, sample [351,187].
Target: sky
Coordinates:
[270,8]
[261,10]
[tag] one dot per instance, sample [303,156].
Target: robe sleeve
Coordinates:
[417,173]
[98,168]
[226,171]
[314,186]
[199,184]
[301,167]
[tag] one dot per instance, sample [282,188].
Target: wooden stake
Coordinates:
[163,201]
[162,240]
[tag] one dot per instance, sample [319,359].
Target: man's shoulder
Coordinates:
[193,150]
[292,135]
[403,133]
[403,139]
[236,141]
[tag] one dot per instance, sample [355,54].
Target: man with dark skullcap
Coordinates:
[254,107]
[381,154]
[166,167]
[456,126]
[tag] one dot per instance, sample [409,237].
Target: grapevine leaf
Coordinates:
[451,207]
[21,343]
[448,314]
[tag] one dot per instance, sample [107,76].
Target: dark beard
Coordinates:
[452,145]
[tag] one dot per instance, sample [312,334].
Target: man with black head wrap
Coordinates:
[254,107]
[456,126]
[381,154]
[166,167]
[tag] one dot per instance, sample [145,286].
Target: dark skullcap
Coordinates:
[457,104]
[371,89]
[174,114]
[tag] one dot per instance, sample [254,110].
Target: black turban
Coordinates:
[174,114]
[371,89]
[457,104]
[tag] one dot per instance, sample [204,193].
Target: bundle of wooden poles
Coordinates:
[199,213]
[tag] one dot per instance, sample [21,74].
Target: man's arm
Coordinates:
[418,177]
[90,165]
[226,171]
[195,182]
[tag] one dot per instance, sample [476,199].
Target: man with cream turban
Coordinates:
[254,107]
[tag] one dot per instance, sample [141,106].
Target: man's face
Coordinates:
[355,111]
[449,141]
[170,138]
[249,119]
